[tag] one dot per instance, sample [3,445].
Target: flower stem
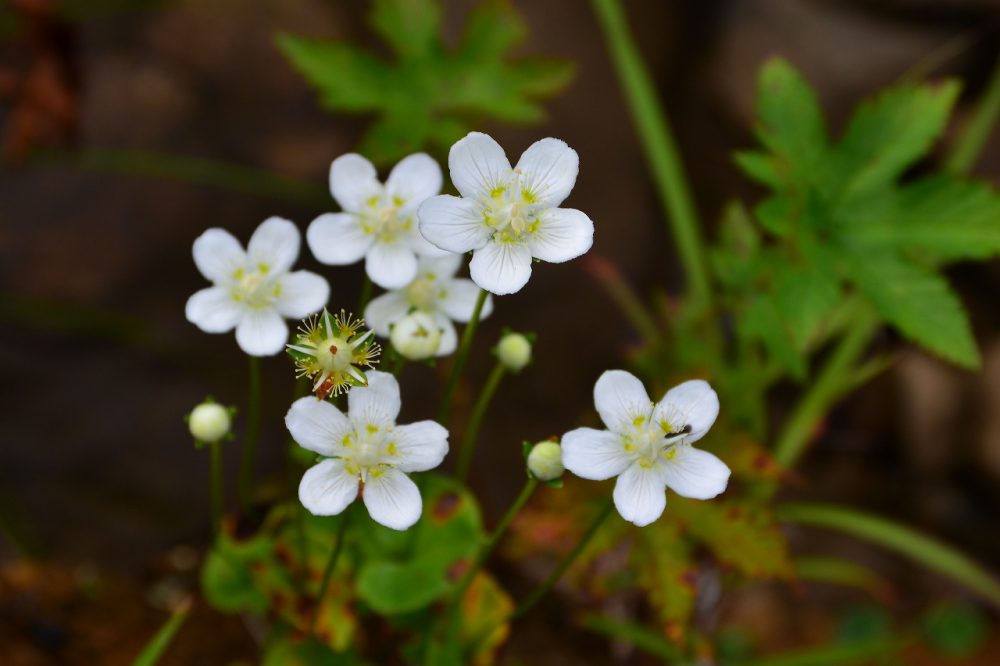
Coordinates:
[973,137]
[554,577]
[659,147]
[249,456]
[460,358]
[365,296]
[331,564]
[215,453]
[468,445]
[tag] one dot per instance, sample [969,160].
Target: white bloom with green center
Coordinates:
[253,290]
[435,291]
[648,446]
[508,216]
[366,451]
[378,222]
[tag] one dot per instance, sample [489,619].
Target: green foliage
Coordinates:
[955,630]
[429,95]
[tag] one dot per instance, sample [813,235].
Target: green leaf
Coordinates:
[918,302]
[761,320]
[348,79]
[836,571]
[493,29]
[955,630]
[804,296]
[410,27]
[918,547]
[666,570]
[889,133]
[154,650]
[291,651]
[227,579]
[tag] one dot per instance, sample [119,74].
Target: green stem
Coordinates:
[918,547]
[468,445]
[658,144]
[215,452]
[826,389]
[249,455]
[554,577]
[331,564]
[397,364]
[365,295]
[460,358]
[973,138]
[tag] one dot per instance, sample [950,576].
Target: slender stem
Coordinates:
[215,452]
[249,456]
[397,364]
[658,144]
[973,138]
[468,445]
[460,358]
[554,577]
[331,564]
[365,295]
[826,389]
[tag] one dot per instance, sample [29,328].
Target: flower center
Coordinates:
[334,354]
[649,442]
[383,219]
[420,293]
[254,287]
[369,451]
[511,213]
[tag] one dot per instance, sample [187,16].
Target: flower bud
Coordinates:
[545,461]
[416,336]
[209,422]
[514,351]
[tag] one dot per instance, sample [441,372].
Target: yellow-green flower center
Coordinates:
[255,287]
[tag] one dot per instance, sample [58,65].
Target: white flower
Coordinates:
[416,336]
[378,222]
[507,216]
[365,448]
[436,291]
[648,446]
[253,289]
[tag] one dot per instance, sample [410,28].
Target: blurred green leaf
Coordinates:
[430,95]
[227,579]
[666,570]
[837,571]
[154,650]
[955,630]
[865,623]
[290,651]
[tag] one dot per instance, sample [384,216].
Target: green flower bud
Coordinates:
[209,422]
[545,461]
[416,336]
[514,351]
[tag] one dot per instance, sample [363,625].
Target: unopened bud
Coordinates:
[416,336]
[545,461]
[514,351]
[209,422]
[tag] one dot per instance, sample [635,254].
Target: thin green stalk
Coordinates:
[397,363]
[158,644]
[249,456]
[826,389]
[365,295]
[906,541]
[658,144]
[970,143]
[215,453]
[331,564]
[554,577]
[468,445]
[460,358]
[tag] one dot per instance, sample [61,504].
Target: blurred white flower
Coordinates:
[416,336]
[508,216]
[435,291]
[378,222]
[647,446]
[253,290]
[365,450]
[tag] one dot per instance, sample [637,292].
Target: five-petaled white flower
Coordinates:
[378,222]
[648,446]
[508,216]
[366,450]
[436,291]
[253,289]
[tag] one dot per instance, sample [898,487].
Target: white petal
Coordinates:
[453,224]
[213,310]
[620,399]
[416,178]
[594,454]
[639,495]
[548,171]
[218,255]
[261,332]
[318,426]
[424,247]
[275,244]
[459,300]
[327,489]
[353,181]
[393,499]
[391,265]
[695,473]
[384,311]
[562,234]
[478,165]
[301,293]
[337,239]
[375,404]
[449,338]
[420,446]
[501,268]
[693,403]
[440,268]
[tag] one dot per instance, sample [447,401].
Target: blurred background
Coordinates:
[97,470]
